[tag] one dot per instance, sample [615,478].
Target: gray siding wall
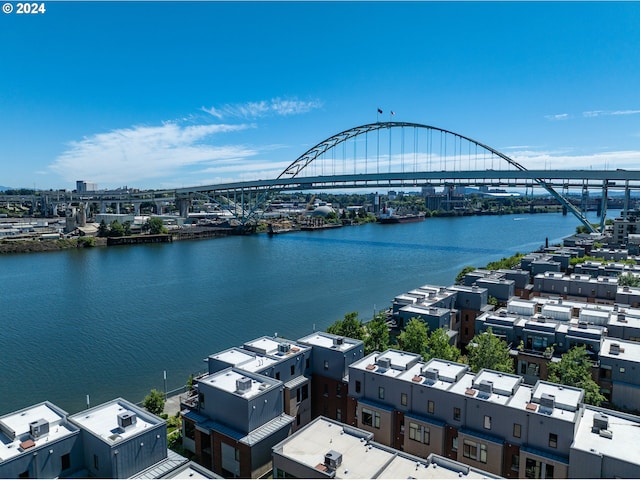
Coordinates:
[41,464]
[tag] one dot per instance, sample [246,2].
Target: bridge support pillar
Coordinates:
[103,207]
[183,205]
[136,209]
[159,208]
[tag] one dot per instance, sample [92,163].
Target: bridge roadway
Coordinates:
[559,179]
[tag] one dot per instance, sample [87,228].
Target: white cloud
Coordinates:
[139,153]
[275,106]
[559,116]
[532,160]
[600,113]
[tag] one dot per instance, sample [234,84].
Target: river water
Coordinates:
[108,322]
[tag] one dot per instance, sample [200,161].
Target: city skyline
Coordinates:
[168,94]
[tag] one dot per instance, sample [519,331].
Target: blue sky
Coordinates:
[171,94]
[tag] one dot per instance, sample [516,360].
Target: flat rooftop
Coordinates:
[328,341]
[362,459]
[627,350]
[102,421]
[274,346]
[229,379]
[624,430]
[243,359]
[398,362]
[15,429]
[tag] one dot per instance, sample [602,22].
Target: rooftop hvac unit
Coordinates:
[126,419]
[338,341]
[606,433]
[38,428]
[486,386]
[384,362]
[243,385]
[431,373]
[547,400]
[284,347]
[333,459]
[600,422]
[614,348]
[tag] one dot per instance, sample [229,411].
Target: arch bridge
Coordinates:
[409,155]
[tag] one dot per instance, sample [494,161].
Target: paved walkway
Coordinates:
[172,405]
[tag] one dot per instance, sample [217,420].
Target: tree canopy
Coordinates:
[414,337]
[488,351]
[376,336]
[155,225]
[154,402]
[438,346]
[350,326]
[574,370]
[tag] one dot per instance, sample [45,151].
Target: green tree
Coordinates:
[154,402]
[376,335]
[116,229]
[463,272]
[350,326]
[574,370]
[438,346]
[628,280]
[413,337]
[488,351]
[127,227]
[155,226]
[103,229]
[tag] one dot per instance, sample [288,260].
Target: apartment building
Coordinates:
[114,440]
[238,417]
[329,449]
[490,420]
[577,286]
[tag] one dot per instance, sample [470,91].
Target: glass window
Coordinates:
[403,399]
[553,440]
[305,391]
[430,406]
[338,389]
[517,430]
[414,431]
[456,414]
[487,422]
[515,462]
[339,414]
[454,444]
[376,419]
[65,461]
[367,417]
[474,451]
[358,386]
[381,393]
[293,369]
[326,364]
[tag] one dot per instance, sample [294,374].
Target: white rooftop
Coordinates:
[325,340]
[15,429]
[399,362]
[622,443]
[627,350]
[245,360]
[271,346]
[566,398]
[229,379]
[102,421]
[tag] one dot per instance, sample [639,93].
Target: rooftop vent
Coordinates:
[582,324]
[606,433]
[333,459]
[126,419]
[486,386]
[614,349]
[548,401]
[431,373]
[600,422]
[284,347]
[338,341]
[384,362]
[243,385]
[622,318]
[38,428]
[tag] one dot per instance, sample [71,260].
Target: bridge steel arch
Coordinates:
[304,160]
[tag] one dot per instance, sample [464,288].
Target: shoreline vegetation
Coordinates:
[35,245]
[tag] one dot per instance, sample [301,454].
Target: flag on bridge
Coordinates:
[379,111]
[392,113]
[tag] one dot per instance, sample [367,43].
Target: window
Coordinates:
[66,461]
[338,389]
[96,464]
[298,419]
[306,363]
[487,422]
[430,406]
[277,375]
[370,418]
[553,440]
[293,370]
[326,364]
[381,393]
[201,399]
[456,414]
[474,451]
[419,433]
[358,386]
[236,454]
[454,444]
[515,462]
[534,469]
[339,414]
[305,392]
[517,430]
[298,395]
[403,399]
[189,429]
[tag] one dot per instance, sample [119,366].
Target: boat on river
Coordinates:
[388,215]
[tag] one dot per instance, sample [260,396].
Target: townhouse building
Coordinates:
[114,440]
[238,416]
[490,420]
[329,449]
[577,286]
